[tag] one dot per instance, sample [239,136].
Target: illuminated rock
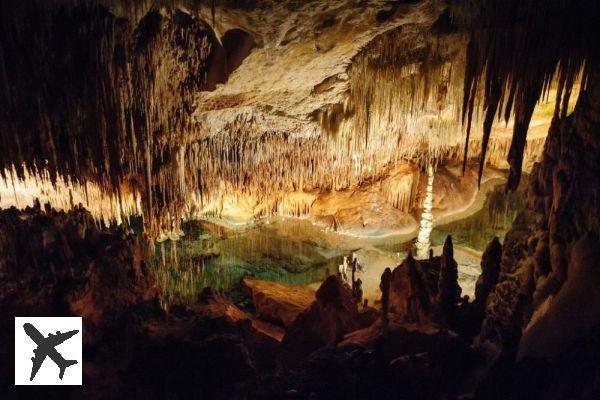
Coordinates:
[326,321]
[410,295]
[156,122]
[278,302]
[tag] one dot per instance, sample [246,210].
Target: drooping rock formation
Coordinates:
[512,87]
[278,302]
[133,129]
[172,110]
[123,132]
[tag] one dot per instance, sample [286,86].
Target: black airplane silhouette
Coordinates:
[46,347]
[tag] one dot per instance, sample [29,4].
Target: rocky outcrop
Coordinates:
[506,304]
[56,263]
[401,336]
[490,271]
[410,362]
[563,254]
[278,302]
[546,299]
[329,318]
[60,264]
[214,311]
[63,264]
[410,297]
[423,291]
[209,349]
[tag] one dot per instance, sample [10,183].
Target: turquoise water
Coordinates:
[211,255]
[494,219]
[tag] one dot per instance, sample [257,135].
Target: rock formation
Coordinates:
[448,294]
[62,263]
[490,271]
[59,264]
[329,318]
[177,109]
[277,302]
[410,298]
[165,111]
[531,311]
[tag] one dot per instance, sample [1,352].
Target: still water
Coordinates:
[296,251]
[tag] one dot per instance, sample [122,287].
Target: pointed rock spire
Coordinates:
[448,289]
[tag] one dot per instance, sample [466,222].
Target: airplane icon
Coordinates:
[46,347]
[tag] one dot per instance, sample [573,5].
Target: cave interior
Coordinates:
[273,199]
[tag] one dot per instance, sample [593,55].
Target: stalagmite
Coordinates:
[449,291]
[426,225]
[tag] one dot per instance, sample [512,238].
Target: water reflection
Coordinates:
[294,251]
[479,229]
[211,255]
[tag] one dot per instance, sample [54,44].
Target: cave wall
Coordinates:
[57,263]
[566,189]
[547,298]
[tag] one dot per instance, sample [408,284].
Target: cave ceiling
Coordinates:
[178,108]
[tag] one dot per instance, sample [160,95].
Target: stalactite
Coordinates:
[131,123]
[490,113]
[403,99]
[107,98]
[64,194]
[498,48]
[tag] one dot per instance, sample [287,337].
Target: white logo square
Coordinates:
[48,350]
